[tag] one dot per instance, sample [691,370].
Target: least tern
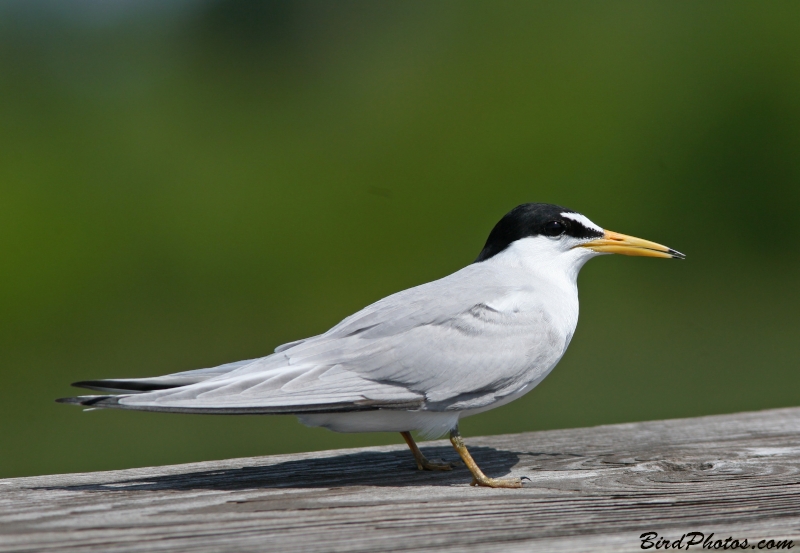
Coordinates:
[420,359]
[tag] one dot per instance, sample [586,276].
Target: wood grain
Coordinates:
[591,489]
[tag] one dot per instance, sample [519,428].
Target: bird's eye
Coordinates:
[554,228]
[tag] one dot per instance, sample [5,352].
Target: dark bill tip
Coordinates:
[676,254]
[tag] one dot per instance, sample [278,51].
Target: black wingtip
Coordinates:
[90,384]
[88,400]
[70,400]
[130,385]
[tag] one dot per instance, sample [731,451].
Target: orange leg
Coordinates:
[478,478]
[422,462]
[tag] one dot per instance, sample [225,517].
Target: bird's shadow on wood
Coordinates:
[368,468]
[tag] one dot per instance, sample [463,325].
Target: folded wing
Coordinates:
[459,342]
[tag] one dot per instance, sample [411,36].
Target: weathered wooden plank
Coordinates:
[592,489]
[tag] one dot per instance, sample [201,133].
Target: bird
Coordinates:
[421,359]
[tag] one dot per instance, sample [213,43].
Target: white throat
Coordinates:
[555,260]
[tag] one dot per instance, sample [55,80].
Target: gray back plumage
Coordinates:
[439,346]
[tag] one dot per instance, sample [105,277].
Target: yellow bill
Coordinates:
[614,242]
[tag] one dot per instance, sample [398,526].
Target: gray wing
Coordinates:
[175,380]
[459,342]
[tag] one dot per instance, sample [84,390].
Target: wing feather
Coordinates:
[462,341]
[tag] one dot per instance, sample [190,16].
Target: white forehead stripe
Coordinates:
[578,218]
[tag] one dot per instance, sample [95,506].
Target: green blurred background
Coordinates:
[189,183]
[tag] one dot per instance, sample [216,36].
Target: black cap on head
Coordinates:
[533,220]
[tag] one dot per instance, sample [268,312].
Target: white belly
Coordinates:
[429,423]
